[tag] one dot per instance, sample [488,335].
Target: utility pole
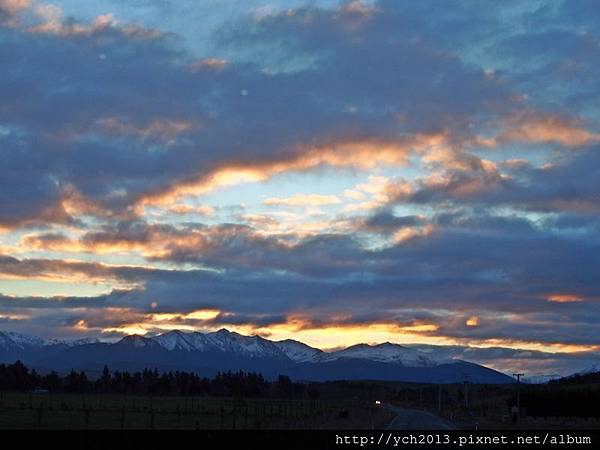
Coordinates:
[518,377]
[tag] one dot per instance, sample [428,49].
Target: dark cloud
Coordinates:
[93,123]
[115,117]
[386,222]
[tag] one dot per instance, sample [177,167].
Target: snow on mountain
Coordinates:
[220,341]
[82,341]
[258,347]
[69,342]
[298,351]
[225,350]
[137,341]
[178,340]
[246,346]
[386,352]
[10,340]
[249,346]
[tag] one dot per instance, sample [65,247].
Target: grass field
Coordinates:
[97,411]
[340,405]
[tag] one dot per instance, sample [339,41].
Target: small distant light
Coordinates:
[377,402]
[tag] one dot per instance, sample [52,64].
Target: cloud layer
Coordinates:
[375,170]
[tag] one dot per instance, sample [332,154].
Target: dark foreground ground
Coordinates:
[94,411]
[333,405]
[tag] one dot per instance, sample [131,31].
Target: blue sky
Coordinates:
[335,172]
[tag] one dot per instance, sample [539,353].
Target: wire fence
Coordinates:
[71,411]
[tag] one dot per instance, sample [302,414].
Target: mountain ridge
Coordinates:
[221,350]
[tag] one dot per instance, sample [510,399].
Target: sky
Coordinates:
[335,172]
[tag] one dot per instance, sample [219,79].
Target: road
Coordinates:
[414,419]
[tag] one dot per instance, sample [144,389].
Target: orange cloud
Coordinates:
[210,63]
[146,323]
[375,192]
[14,6]
[358,7]
[53,22]
[408,233]
[304,200]
[70,273]
[51,242]
[472,321]
[535,127]
[187,209]
[363,154]
[323,335]
[550,347]
[564,298]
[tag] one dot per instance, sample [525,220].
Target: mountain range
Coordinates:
[209,353]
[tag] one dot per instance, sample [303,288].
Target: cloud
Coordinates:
[529,127]
[476,226]
[129,97]
[303,200]
[564,298]
[164,129]
[13,6]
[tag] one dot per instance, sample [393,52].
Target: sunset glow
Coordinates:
[335,172]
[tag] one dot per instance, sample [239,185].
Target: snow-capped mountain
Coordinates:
[249,346]
[178,340]
[137,341]
[386,353]
[299,351]
[256,347]
[209,353]
[219,341]
[11,341]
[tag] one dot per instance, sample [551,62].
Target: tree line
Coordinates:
[17,377]
[586,378]
[561,401]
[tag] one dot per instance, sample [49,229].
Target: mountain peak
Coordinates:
[180,340]
[11,339]
[385,352]
[137,341]
[224,349]
[298,351]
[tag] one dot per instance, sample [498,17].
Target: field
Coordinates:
[480,406]
[98,411]
[334,405]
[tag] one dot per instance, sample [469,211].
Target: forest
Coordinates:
[17,377]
